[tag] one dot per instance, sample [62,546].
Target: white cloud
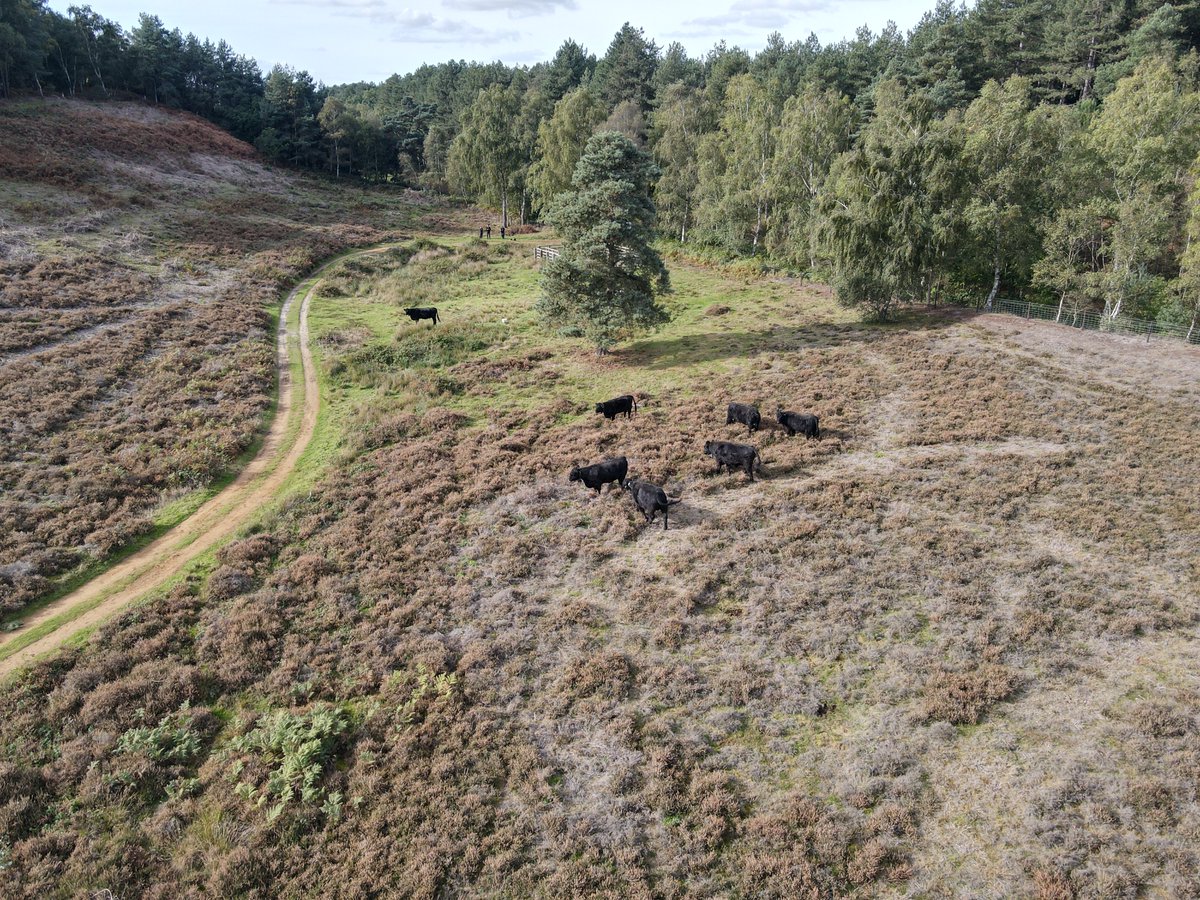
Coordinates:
[407,25]
[516,9]
[744,16]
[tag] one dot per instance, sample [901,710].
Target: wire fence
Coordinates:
[1087,320]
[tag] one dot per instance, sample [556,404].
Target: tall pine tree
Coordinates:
[605,281]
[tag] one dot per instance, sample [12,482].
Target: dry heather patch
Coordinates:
[543,696]
[150,362]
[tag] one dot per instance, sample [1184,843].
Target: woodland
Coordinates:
[1038,149]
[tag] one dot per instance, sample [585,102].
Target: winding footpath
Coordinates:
[216,521]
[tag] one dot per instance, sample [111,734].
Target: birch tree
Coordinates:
[1145,138]
[735,167]
[816,127]
[560,143]
[676,130]
[1005,147]
[486,155]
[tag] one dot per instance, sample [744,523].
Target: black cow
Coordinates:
[602,473]
[650,498]
[745,413]
[416,313]
[734,456]
[613,408]
[799,423]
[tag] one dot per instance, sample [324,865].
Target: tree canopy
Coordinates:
[1034,148]
[604,283]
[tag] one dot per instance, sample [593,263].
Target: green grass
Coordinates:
[491,303]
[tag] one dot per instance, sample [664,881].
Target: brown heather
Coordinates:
[947,651]
[136,347]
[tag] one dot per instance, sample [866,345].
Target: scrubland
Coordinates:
[949,650]
[141,255]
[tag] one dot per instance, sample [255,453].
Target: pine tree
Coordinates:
[1084,35]
[605,281]
[572,66]
[627,70]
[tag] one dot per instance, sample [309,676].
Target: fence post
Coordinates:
[1028,308]
[1149,331]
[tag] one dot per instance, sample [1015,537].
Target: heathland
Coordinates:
[947,650]
[140,254]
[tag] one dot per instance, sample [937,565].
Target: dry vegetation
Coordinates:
[141,253]
[947,651]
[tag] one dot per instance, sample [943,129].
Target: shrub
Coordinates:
[294,749]
[226,582]
[961,698]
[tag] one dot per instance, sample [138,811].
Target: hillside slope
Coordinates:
[948,650]
[141,255]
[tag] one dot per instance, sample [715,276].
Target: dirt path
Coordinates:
[215,521]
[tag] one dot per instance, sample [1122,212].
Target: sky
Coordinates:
[340,41]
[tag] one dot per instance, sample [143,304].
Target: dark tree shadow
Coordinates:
[690,349]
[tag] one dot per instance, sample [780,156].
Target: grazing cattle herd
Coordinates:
[651,499]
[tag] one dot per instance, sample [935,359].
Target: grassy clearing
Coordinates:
[370,352]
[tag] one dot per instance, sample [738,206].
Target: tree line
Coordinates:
[1034,148]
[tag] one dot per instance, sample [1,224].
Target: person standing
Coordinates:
[481,232]
[489,231]
[501,232]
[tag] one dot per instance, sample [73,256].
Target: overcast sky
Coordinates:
[367,40]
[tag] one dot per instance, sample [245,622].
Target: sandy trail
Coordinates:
[215,521]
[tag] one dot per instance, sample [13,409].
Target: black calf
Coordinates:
[650,498]
[799,423]
[618,405]
[745,413]
[416,313]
